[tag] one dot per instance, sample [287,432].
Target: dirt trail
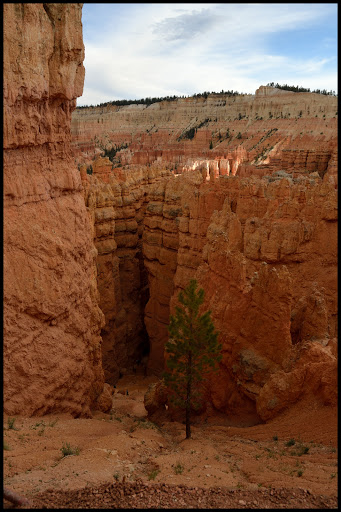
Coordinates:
[124,460]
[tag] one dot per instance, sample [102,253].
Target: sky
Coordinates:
[138,50]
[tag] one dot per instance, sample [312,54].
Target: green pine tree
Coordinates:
[192,351]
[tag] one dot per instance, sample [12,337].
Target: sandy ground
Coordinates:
[296,452]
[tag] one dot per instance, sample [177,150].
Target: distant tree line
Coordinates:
[143,101]
[296,88]
[149,101]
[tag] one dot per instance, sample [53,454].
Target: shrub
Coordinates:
[66,449]
[153,474]
[6,446]
[178,469]
[10,424]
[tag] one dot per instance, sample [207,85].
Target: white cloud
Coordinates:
[164,49]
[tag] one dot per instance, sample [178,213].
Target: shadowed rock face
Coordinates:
[52,322]
[265,252]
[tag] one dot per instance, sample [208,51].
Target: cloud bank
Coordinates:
[134,51]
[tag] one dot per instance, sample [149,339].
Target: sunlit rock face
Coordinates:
[52,322]
[270,130]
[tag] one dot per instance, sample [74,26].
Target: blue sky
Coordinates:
[134,51]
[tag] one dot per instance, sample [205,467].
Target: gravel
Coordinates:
[143,495]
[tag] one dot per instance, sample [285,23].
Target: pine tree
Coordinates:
[192,351]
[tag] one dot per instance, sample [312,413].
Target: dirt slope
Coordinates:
[126,461]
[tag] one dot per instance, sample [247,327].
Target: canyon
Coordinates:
[253,219]
[237,191]
[109,211]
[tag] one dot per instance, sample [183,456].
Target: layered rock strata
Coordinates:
[254,219]
[265,251]
[272,127]
[116,201]
[52,322]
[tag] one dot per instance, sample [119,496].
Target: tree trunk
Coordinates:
[188,397]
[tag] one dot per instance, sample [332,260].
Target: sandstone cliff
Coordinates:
[265,251]
[116,201]
[52,322]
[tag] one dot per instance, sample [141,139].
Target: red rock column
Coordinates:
[52,322]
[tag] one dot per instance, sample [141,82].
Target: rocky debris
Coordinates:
[141,495]
[104,401]
[156,397]
[15,498]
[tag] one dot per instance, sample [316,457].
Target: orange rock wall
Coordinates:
[266,254]
[52,322]
[117,201]
[264,250]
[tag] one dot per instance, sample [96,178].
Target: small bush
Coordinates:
[239,136]
[143,423]
[178,469]
[153,474]
[6,446]
[66,449]
[291,442]
[10,424]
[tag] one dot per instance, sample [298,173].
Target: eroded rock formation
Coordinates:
[116,201]
[265,253]
[237,192]
[276,128]
[264,250]
[52,322]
